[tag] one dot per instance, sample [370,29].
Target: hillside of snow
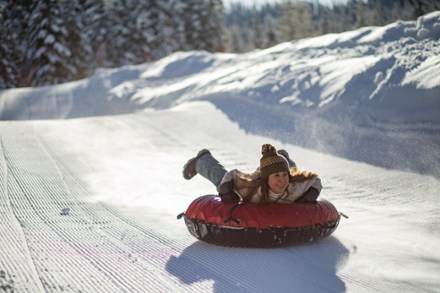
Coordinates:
[376,90]
[90,171]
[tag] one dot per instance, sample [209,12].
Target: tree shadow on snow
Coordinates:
[307,268]
[361,135]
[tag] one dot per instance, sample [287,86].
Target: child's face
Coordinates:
[278,182]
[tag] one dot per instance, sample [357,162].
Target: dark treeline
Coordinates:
[45,42]
[53,41]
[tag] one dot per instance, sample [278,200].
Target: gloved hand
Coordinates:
[230,197]
[309,196]
[226,191]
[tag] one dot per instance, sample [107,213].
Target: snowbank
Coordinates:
[371,95]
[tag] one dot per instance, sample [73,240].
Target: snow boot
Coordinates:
[285,154]
[189,170]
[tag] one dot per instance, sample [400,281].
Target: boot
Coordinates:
[189,170]
[285,154]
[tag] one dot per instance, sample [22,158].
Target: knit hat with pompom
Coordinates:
[271,162]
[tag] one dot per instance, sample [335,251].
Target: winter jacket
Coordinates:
[303,186]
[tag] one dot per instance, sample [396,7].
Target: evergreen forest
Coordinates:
[45,42]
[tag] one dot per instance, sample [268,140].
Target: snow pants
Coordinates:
[210,168]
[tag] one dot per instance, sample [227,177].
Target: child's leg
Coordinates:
[210,168]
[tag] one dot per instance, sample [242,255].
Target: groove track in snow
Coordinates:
[17,270]
[85,241]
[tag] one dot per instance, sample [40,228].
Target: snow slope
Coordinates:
[90,204]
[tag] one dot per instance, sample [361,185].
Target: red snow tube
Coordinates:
[210,219]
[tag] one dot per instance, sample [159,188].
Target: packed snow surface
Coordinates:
[91,184]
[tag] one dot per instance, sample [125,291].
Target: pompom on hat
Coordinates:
[271,162]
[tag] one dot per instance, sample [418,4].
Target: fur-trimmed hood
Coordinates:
[248,185]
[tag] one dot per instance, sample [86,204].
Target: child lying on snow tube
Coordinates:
[275,181]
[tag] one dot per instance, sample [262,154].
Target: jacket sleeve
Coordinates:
[227,184]
[226,188]
[312,193]
[317,184]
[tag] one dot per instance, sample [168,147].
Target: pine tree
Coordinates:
[77,40]
[361,12]
[93,17]
[237,23]
[176,10]
[8,68]
[258,30]
[422,7]
[119,18]
[304,21]
[295,20]
[272,38]
[48,55]
[142,33]
[162,43]
[214,29]
[204,25]
[14,26]
[139,31]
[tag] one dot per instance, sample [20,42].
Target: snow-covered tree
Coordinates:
[52,41]
[422,7]
[176,11]
[162,42]
[204,25]
[214,29]
[119,23]
[295,20]
[258,30]
[13,31]
[8,69]
[78,40]
[142,34]
[270,31]
[48,55]
[139,31]
[93,20]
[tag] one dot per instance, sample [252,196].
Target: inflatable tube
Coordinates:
[210,219]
